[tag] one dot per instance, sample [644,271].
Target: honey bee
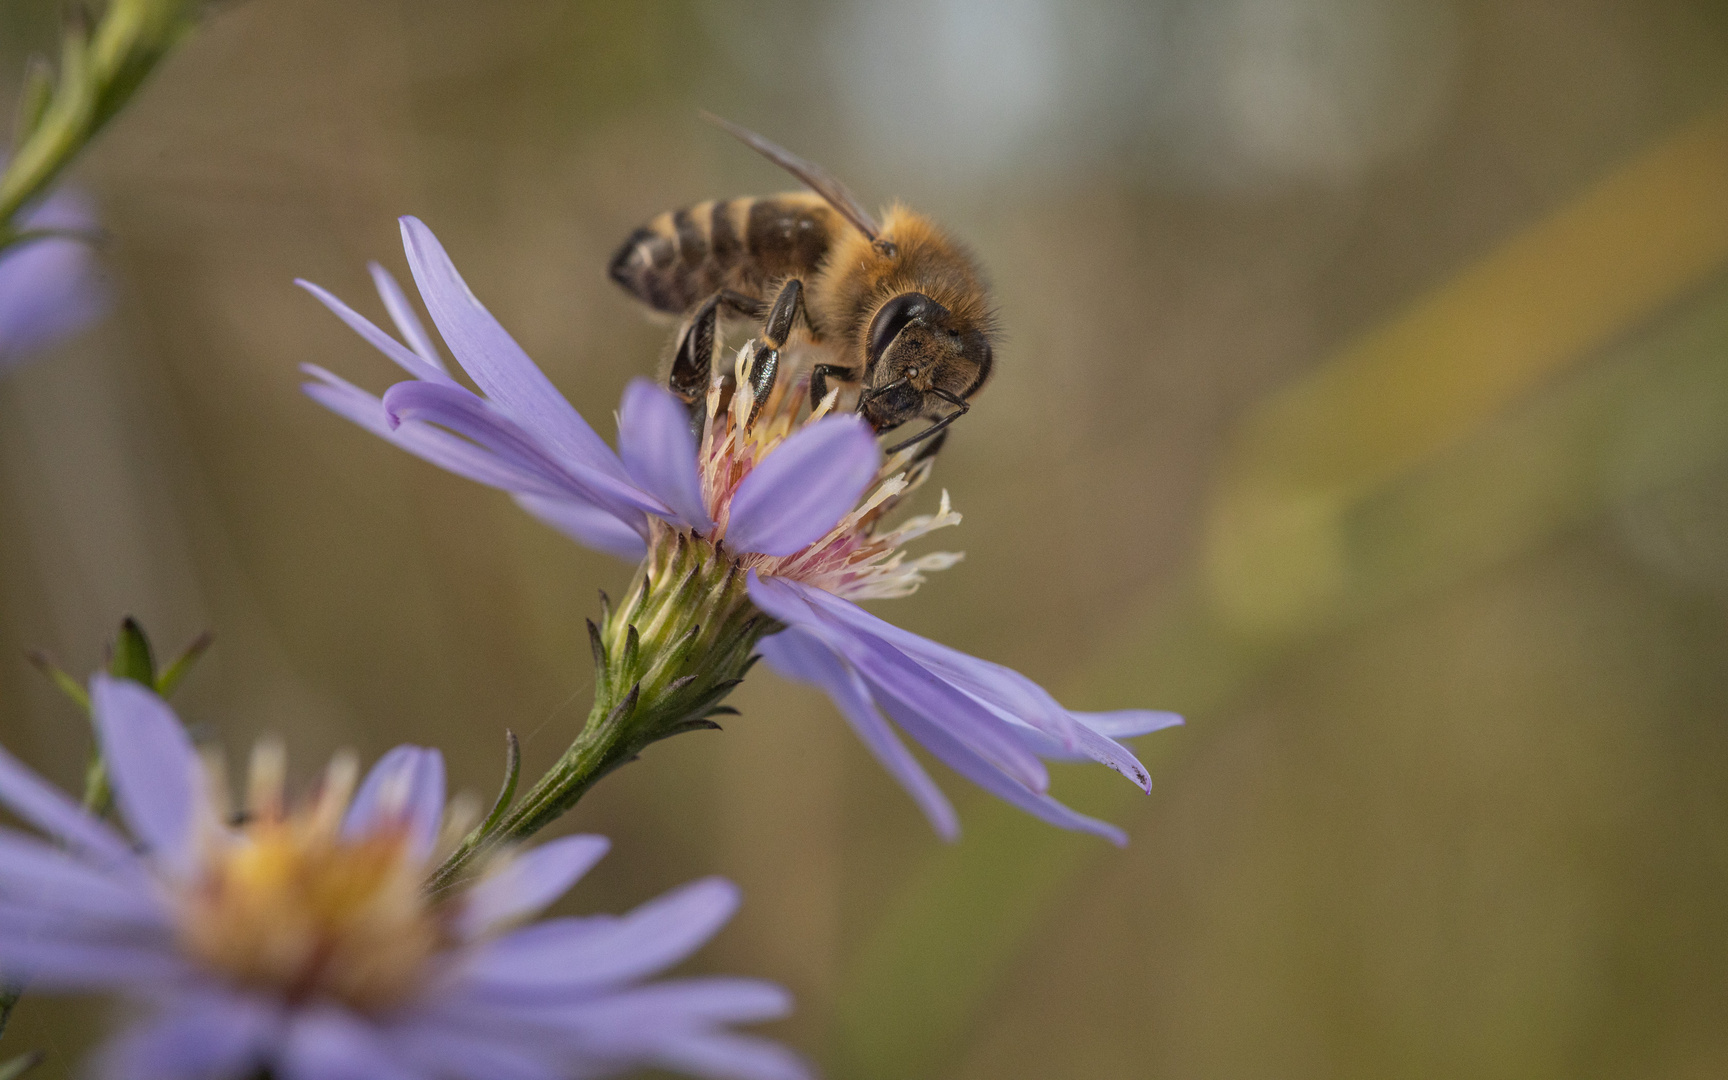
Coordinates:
[898,311]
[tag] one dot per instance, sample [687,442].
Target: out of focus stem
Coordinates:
[664,660]
[9,1001]
[100,69]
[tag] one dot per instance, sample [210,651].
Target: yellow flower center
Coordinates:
[290,907]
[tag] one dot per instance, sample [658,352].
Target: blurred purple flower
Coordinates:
[50,287]
[795,499]
[303,944]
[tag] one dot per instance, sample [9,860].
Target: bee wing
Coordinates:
[815,177]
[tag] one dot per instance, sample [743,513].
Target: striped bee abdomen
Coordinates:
[683,257]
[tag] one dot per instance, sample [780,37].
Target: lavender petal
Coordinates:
[38,876]
[659,451]
[474,418]
[1087,745]
[84,965]
[1004,691]
[207,1037]
[402,314]
[405,787]
[588,525]
[444,1050]
[574,955]
[891,673]
[424,441]
[801,490]
[49,809]
[725,1056]
[50,287]
[158,782]
[1099,728]
[493,359]
[687,1002]
[1127,723]
[529,882]
[411,362]
[325,1043]
[796,655]
[957,756]
[1001,687]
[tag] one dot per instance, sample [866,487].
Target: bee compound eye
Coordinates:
[893,316]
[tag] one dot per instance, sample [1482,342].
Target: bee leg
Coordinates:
[695,354]
[819,376]
[930,448]
[787,310]
[961,409]
[776,328]
[748,306]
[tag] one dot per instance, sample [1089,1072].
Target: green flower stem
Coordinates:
[664,661]
[99,72]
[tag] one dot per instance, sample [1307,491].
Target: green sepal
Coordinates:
[131,656]
[69,686]
[602,684]
[664,661]
[182,664]
[512,773]
[98,794]
[693,725]
[479,837]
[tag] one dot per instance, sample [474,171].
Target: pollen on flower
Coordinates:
[858,559]
[288,905]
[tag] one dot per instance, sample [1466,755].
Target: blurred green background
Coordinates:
[1365,395]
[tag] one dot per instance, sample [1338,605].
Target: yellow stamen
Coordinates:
[265,779]
[285,904]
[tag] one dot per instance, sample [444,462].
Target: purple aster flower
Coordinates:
[303,943]
[50,287]
[773,509]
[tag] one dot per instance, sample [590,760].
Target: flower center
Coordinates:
[290,907]
[859,559]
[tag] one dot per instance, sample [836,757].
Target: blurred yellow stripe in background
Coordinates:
[1348,490]
[1603,264]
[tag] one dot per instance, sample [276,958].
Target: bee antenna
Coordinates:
[814,176]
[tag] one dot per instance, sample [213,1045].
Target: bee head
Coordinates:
[919,353]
